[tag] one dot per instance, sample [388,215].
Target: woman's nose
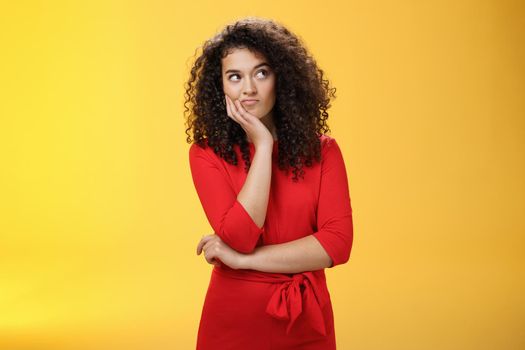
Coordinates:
[249,87]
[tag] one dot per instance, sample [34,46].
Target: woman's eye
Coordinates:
[265,72]
[261,71]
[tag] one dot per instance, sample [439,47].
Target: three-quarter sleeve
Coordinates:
[334,210]
[226,215]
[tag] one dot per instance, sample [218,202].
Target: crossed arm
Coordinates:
[303,254]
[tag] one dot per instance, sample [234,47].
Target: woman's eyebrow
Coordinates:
[238,71]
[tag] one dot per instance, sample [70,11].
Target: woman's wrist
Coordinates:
[244,261]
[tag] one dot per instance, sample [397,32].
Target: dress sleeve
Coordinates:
[334,210]
[226,215]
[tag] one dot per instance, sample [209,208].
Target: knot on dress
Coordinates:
[299,295]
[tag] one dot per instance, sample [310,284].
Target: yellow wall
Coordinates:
[99,218]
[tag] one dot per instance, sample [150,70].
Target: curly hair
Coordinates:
[302,95]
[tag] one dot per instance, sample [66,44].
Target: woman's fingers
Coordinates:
[231,110]
[241,112]
[228,108]
[210,245]
[202,242]
[237,111]
[209,251]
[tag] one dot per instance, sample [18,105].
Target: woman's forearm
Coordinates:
[255,192]
[303,254]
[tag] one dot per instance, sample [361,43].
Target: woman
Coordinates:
[256,94]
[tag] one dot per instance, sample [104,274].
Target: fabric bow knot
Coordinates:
[299,295]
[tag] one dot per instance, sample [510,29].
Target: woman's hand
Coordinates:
[217,252]
[254,128]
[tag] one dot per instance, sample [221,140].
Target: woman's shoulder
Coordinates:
[330,149]
[326,141]
[325,138]
[200,149]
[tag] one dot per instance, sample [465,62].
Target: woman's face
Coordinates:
[246,76]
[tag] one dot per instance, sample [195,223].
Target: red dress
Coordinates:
[248,309]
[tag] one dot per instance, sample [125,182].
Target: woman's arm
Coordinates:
[226,215]
[303,254]
[255,192]
[237,218]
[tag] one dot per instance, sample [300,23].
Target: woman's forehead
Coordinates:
[243,59]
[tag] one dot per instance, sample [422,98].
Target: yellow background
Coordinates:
[99,218]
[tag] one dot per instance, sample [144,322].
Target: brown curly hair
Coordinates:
[302,95]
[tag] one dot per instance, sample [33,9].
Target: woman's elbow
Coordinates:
[243,246]
[345,250]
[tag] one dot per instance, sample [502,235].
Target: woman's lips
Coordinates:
[249,102]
